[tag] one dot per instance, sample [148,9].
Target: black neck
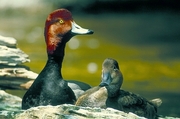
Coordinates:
[113,90]
[114,87]
[55,63]
[55,59]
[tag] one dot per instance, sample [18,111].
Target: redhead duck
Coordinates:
[49,88]
[109,94]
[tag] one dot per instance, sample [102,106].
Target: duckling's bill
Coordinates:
[77,30]
[106,79]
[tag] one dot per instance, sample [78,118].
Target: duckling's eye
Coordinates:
[61,21]
[115,68]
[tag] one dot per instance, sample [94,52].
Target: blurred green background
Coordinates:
[142,35]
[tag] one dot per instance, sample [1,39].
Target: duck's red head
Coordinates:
[59,28]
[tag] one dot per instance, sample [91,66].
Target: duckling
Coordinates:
[109,94]
[111,82]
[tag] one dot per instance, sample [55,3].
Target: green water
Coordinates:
[146,45]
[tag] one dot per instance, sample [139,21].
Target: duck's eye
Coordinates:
[61,21]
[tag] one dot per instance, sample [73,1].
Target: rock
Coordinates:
[12,73]
[18,72]
[9,102]
[68,111]
[10,105]
[15,77]
[10,55]
[8,41]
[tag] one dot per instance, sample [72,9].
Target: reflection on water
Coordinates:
[74,44]
[92,67]
[145,44]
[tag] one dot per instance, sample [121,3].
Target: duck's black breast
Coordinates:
[48,89]
[56,92]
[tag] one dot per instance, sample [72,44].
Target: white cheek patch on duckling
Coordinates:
[76,29]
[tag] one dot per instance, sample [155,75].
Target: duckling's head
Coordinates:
[59,28]
[111,74]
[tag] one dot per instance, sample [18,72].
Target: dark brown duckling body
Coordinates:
[49,88]
[131,102]
[109,94]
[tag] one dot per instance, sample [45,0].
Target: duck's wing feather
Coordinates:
[137,104]
[127,99]
[83,86]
